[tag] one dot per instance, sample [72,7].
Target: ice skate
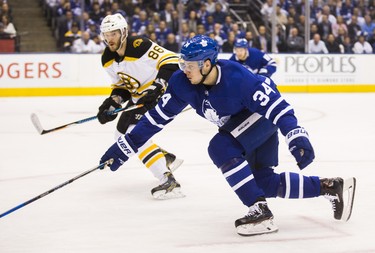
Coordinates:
[341,195]
[169,190]
[259,220]
[172,161]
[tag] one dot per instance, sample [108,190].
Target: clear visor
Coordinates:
[189,65]
[107,36]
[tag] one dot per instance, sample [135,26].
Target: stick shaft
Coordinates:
[42,131]
[100,166]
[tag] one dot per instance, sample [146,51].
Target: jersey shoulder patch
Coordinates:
[137,46]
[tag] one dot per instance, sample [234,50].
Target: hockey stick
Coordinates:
[100,166]
[39,128]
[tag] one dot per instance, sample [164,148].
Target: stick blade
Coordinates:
[36,123]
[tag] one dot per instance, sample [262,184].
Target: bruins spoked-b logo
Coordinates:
[129,83]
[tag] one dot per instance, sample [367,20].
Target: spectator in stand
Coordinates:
[6,10]
[360,19]
[100,44]
[317,46]
[340,24]
[219,15]
[347,45]
[209,26]
[201,30]
[96,14]
[295,43]
[220,36]
[291,24]
[92,29]
[193,5]
[171,43]
[184,32]
[263,42]
[153,37]
[229,43]
[281,17]
[167,14]
[64,24]
[372,40]
[70,36]
[8,26]
[227,26]
[106,6]
[326,11]
[300,25]
[202,14]
[210,4]
[192,21]
[341,36]
[353,28]
[84,45]
[267,10]
[3,34]
[332,46]
[362,46]
[161,32]
[324,27]
[115,8]
[238,32]
[368,26]
[249,38]
[346,9]
[175,26]
[140,24]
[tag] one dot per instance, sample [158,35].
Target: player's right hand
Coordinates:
[300,147]
[104,114]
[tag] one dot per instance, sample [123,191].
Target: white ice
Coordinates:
[108,211]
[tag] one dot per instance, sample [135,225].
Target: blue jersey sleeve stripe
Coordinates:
[270,109]
[159,111]
[278,116]
[152,121]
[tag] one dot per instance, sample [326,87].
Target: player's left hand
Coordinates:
[300,147]
[150,100]
[120,152]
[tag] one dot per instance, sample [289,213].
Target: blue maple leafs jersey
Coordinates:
[257,62]
[236,90]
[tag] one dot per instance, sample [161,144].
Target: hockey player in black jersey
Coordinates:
[139,70]
[249,111]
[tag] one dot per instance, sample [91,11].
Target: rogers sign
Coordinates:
[30,70]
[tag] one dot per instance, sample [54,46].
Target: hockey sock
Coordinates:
[153,158]
[293,186]
[238,174]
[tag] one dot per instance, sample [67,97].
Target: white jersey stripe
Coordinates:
[152,121]
[287,185]
[242,182]
[235,170]
[270,109]
[300,193]
[281,114]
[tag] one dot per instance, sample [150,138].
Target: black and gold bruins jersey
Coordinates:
[138,69]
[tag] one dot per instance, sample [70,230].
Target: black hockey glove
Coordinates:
[150,100]
[300,147]
[104,114]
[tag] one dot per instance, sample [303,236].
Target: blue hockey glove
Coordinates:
[300,147]
[120,152]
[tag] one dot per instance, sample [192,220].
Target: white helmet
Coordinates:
[112,23]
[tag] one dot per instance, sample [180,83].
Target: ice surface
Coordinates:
[114,212]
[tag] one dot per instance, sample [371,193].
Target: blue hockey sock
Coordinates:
[293,186]
[238,174]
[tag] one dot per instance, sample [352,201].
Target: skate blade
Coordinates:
[348,197]
[264,227]
[176,163]
[163,194]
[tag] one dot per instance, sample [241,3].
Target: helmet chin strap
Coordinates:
[204,76]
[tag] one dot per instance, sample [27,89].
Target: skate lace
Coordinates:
[253,210]
[332,199]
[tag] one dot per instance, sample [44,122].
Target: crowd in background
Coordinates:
[336,26]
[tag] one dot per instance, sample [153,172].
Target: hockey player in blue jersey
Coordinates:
[248,110]
[253,59]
